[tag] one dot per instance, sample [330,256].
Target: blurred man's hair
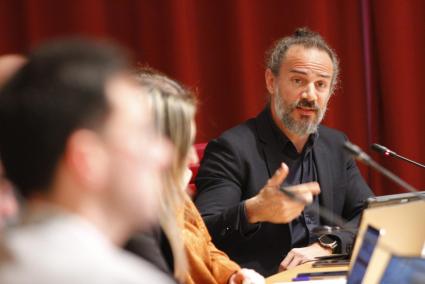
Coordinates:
[60,89]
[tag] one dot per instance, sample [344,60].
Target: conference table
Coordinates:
[288,275]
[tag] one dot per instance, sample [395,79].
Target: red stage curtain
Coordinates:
[217,47]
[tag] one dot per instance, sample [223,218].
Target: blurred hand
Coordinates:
[299,256]
[271,205]
[246,276]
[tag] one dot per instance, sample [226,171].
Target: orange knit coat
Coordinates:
[207,264]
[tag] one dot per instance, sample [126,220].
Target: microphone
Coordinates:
[360,155]
[387,152]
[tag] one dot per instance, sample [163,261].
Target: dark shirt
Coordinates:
[302,169]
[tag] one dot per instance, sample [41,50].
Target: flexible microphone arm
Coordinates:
[364,158]
[387,152]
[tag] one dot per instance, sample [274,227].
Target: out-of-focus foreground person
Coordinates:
[9,64]
[187,246]
[78,143]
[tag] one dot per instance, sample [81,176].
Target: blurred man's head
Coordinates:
[9,64]
[75,131]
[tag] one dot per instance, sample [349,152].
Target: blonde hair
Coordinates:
[174,109]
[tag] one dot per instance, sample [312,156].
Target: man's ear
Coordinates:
[270,81]
[86,159]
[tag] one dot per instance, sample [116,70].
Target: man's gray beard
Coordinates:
[302,127]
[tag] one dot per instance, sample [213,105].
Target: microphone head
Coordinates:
[382,149]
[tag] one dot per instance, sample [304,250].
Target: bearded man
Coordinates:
[242,171]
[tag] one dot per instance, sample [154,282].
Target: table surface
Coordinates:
[286,276]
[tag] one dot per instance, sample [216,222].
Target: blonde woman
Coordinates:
[195,259]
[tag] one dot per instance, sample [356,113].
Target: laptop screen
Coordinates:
[404,270]
[361,262]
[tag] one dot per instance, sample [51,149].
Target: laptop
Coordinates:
[404,232]
[366,250]
[387,200]
[404,235]
[407,270]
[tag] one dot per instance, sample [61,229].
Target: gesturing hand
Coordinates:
[271,205]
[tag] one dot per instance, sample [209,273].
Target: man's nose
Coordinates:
[309,93]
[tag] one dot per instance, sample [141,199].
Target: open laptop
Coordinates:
[367,248]
[404,235]
[371,202]
[404,231]
[406,270]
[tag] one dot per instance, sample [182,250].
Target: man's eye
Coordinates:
[297,81]
[321,84]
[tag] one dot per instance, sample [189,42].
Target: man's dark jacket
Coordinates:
[238,164]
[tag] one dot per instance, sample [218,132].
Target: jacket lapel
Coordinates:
[271,149]
[325,173]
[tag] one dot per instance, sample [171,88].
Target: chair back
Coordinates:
[200,148]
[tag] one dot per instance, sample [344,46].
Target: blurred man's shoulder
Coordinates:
[47,252]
